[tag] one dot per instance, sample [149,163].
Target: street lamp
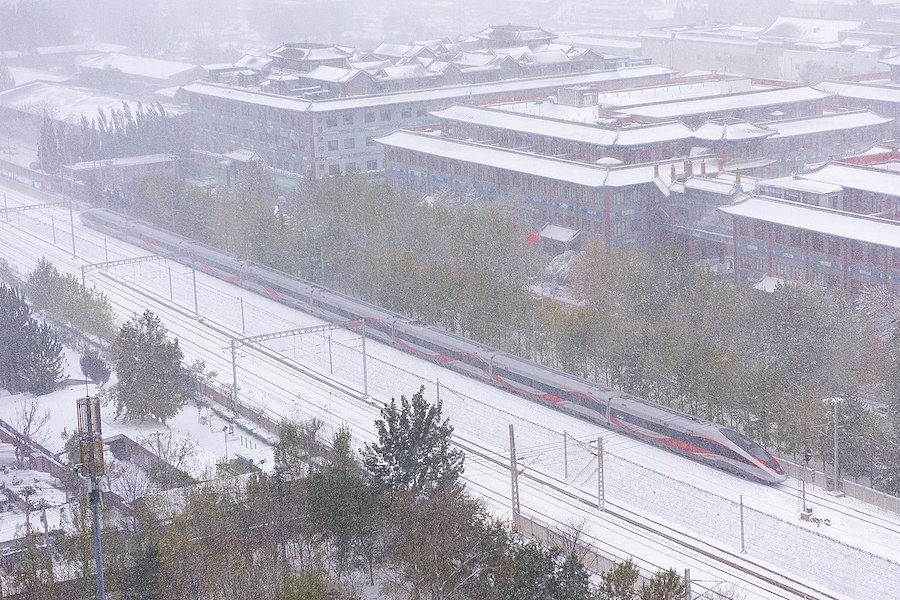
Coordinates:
[225,431]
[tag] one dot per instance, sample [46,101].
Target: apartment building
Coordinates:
[335,136]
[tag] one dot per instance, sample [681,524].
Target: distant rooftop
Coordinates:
[534,164]
[460,92]
[729,102]
[840,224]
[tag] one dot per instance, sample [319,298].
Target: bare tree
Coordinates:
[31,422]
[572,535]
[130,481]
[174,454]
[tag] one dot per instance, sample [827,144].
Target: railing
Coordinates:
[855,490]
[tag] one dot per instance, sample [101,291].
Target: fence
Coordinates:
[854,490]
[592,559]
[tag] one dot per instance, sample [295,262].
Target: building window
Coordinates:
[351,167]
[372,165]
[349,143]
[385,115]
[406,113]
[421,112]
[332,145]
[348,119]
[331,121]
[369,117]
[619,228]
[334,170]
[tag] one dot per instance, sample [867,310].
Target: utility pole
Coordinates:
[601,499]
[365,371]
[90,444]
[234,381]
[72,225]
[514,477]
[742,524]
[837,471]
[565,455]
[196,305]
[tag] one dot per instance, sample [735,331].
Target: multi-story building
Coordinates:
[791,48]
[792,241]
[612,201]
[335,136]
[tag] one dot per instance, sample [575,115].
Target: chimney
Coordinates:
[737,177]
[687,167]
[655,170]
[703,167]
[672,172]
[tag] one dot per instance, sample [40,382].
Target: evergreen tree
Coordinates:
[341,505]
[94,367]
[619,582]
[665,585]
[151,382]
[42,284]
[42,371]
[48,147]
[413,452]
[30,355]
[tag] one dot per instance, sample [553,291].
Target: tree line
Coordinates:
[329,522]
[146,129]
[651,324]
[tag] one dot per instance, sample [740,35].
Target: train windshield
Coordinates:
[753,449]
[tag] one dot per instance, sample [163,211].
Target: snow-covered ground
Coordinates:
[858,556]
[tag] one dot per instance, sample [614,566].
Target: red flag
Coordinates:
[534,237]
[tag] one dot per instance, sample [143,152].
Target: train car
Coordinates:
[666,428]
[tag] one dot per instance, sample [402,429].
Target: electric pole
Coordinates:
[514,477]
[90,444]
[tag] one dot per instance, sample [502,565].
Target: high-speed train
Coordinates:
[678,432]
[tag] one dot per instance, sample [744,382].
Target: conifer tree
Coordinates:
[151,382]
[413,452]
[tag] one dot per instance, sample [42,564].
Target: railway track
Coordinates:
[759,577]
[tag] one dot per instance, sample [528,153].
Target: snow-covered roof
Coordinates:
[23,75]
[252,61]
[310,52]
[473,59]
[729,102]
[802,185]
[814,31]
[414,71]
[713,185]
[510,86]
[531,164]
[857,178]
[682,91]
[141,66]
[514,34]
[85,48]
[584,133]
[558,233]
[67,103]
[551,57]
[825,123]
[332,74]
[871,230]
[125,161]
[878,93]
[730,130]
